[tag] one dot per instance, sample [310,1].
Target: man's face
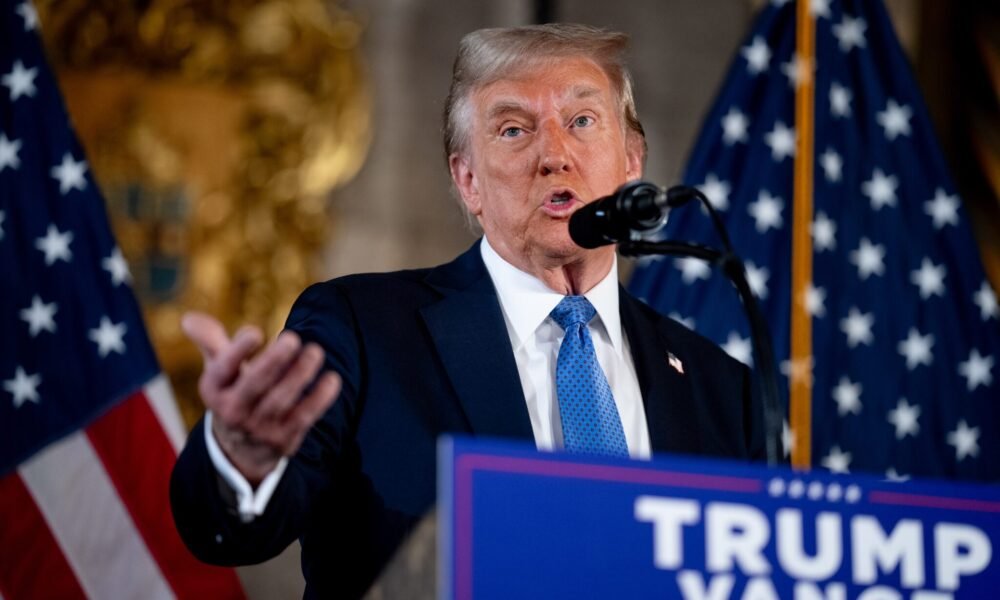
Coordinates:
[543,142]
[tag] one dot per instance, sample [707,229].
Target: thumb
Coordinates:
[206,332]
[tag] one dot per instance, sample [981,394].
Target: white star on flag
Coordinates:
[798,370]
[23,387]
[847,395]
[824,233]
[917,349]
[798,70]
[766,211]
[685,321]
[965,439]
[108,337]
[692,269]
[8,153]
[904,418]
[787,438]
[943,209]
[892,475]
[55,245]
[837,461]
[758,55]
[977,370]
[116,265]
[985,299]
[820,8]
[739,348]
[929,278]
[39,316]
[716,191]
[858,327]
[781,140]
[840,100]
[20,81]
[881,189]
[850,33]
[832,165]
[734,127]
[757,279]
[815,300]
[895,119]
[29,14]
[70,174]
[868,258]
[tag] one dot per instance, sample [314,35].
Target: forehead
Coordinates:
[561,78]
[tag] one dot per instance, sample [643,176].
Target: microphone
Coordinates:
[635,207]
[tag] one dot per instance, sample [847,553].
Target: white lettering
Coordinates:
[736,533]
[931,595]
[959,550]
[879,592]
[792,555]
[759,588]
[668,517]
[692,586]
[904,547]
[807,590]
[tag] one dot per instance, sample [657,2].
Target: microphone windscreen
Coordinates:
[585,228]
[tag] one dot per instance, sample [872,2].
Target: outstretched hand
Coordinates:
[256,395]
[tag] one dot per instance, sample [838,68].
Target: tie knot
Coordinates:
[573,310]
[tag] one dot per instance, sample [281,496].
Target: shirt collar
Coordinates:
[526,301]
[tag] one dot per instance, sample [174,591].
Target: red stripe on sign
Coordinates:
[32,564]
[138,457]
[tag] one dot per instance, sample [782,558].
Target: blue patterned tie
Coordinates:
[590,421]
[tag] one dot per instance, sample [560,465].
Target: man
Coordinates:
[539,121]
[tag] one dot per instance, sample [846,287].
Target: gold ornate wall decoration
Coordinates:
[217,130]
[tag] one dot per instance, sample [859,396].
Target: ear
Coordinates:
[465,182]
[635,155]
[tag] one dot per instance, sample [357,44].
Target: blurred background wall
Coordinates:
[249,148]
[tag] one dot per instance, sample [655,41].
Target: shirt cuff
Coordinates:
[249,503]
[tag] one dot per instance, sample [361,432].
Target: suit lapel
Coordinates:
[468,330]
[666,392]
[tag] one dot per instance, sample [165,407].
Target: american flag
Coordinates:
[88,427]
[905,331]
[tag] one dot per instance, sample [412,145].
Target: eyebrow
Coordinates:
[578,92]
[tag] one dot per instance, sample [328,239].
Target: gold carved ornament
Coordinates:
[217,131]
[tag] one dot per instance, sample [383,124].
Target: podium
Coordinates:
[516,523]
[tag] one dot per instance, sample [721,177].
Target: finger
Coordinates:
[288,389]
[205,331]
[224,367]
[261,373]
[306,413]
[286,436]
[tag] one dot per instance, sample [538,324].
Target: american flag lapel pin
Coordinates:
[675,362]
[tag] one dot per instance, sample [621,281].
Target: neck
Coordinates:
[567,275]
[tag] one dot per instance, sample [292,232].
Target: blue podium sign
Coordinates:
[516,523]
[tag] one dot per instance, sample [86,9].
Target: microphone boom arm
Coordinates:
[760,335]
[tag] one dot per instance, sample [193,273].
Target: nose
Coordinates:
[554,154]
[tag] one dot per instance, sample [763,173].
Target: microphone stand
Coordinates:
[732,267]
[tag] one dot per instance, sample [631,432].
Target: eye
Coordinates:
[511,132]
[583,121]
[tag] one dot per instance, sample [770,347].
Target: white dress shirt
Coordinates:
[535,337]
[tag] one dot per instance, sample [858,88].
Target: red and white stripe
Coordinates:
[89,516]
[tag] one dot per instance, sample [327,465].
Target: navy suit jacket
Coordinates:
[424,353]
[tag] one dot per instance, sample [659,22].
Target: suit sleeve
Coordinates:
[203,504]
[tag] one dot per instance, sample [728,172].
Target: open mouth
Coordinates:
[561,198]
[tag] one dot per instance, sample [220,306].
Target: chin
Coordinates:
[567,249]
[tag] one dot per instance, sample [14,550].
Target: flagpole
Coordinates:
[800,371]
